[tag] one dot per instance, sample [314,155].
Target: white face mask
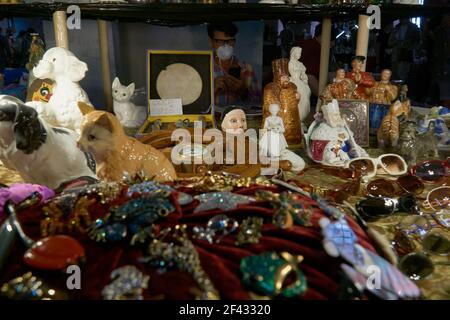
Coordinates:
[225,52]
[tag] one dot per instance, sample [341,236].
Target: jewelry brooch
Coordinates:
[29,287]
[220,200]
[128,284]
[136,216]
[182,255]
[216,228]
[288,209]
[147,188]
[266,274]
[250,231]
[66,215]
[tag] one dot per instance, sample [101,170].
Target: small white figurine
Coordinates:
[297,70]
[273,141]
[41,153]
[329,141]
[441,130]
[61,66]
[129,115]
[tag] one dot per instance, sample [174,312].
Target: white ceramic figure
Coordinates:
[297,70]
[129,115]
[441,130]
[61,66]
[41,153]
[329,140]
[273,142]
[297,163]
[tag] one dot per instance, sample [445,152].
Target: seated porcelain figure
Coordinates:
[66,70]
[129,115]
[329,140]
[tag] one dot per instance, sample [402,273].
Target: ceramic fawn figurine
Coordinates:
[115,153]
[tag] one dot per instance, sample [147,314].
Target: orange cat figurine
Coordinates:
[115,153]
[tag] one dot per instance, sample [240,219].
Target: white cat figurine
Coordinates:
[129,115]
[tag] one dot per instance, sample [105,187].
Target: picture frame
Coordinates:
[356,114]
[164,68]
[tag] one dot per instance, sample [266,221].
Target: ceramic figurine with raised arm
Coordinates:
[341,88]
[329,140]
[363,80]
[297,71]
[383,92]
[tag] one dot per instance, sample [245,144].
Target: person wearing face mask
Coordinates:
[234,81]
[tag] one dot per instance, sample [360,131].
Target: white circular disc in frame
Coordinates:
[179,81]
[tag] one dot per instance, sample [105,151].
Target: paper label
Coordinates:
[166,107]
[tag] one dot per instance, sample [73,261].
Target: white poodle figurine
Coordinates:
[66,70]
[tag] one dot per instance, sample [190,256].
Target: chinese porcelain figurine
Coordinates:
[388,133]
[383,92]
[116,154]
[41,153]
[284,93]
[297,71]
[129,115]
[61,66]
[341,88]
[363,80]
[440,128]
[273,142]
[329,141]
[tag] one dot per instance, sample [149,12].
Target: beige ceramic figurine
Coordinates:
[388,133]
[115,153]
[297,71]
[340,89]
[284,93]
[383,92]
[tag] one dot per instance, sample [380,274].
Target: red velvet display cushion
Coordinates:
[219,260]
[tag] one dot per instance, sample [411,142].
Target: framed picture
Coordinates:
[185,75]
[179,75]
[356,114]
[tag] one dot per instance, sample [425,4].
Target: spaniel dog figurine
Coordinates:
[41,153]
